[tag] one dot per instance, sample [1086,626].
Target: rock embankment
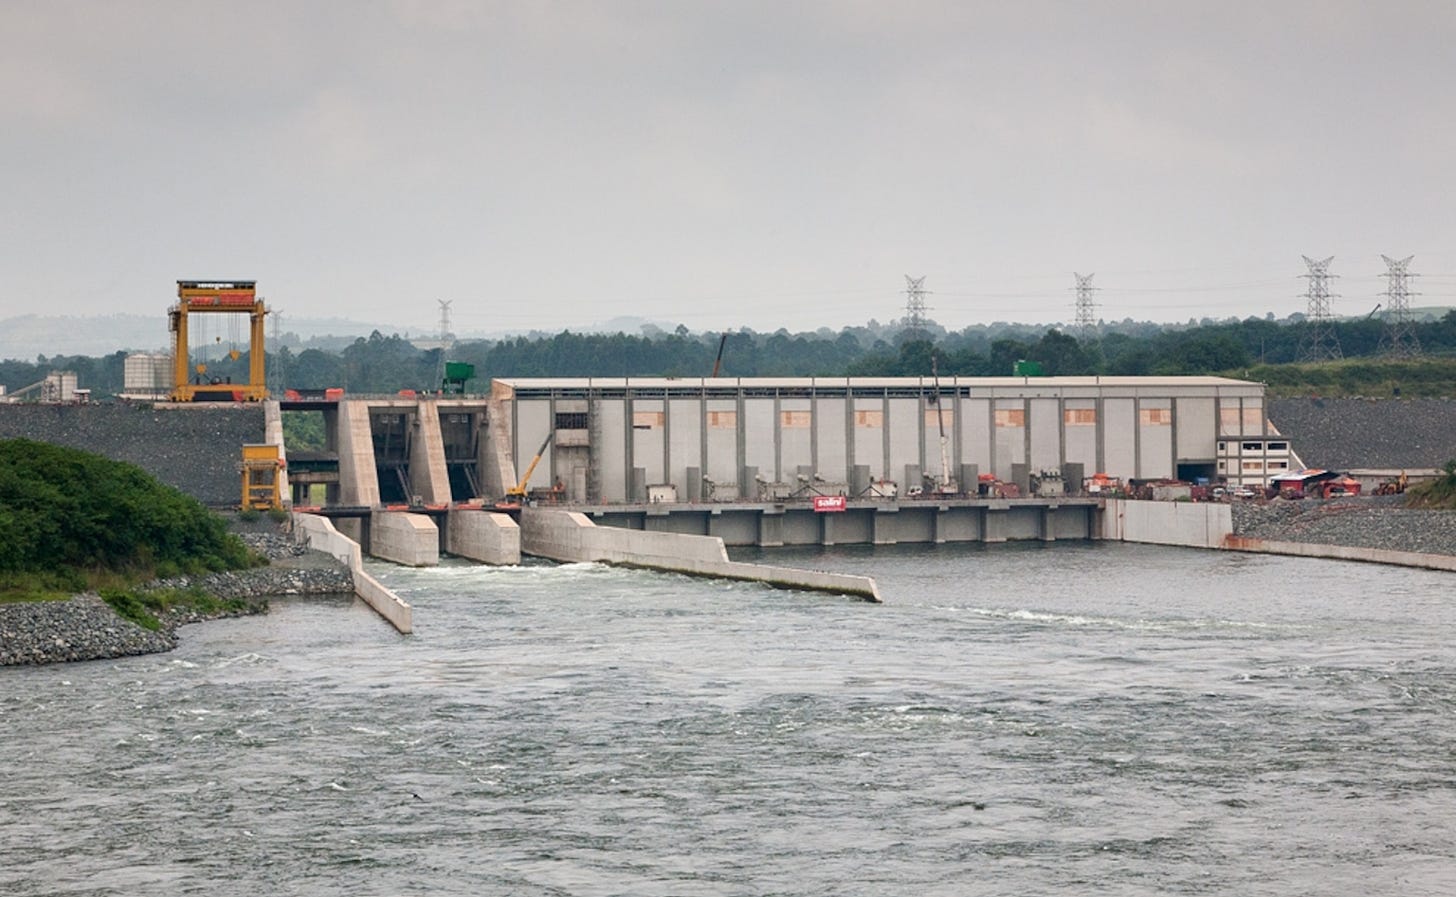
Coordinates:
[86,628]
[1365,522]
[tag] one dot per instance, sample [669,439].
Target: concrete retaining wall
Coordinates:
[483,536]
[1342,553]
[194,448]
[1191,524]
[570,536]
[319,533]
[409,539]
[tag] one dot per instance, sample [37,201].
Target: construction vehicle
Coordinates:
[516,495]
[1396,486]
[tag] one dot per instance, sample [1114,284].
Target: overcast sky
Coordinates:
[774,164]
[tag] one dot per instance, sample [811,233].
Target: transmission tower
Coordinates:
[1399,339]
[1086,321]
[1319,343]
[447,338]
[915,307]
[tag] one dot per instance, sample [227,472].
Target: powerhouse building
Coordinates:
[686,439]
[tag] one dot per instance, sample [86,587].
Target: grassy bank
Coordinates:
[1433,377]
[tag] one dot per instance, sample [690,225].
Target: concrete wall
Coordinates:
[409,539]
[1343,553]
[483,536]
[319,533]
[1191,524]
[569,536]
[194,448]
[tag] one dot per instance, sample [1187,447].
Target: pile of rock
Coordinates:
[1365,522]
[83,628]
[86,628]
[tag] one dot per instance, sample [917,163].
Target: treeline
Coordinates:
[383,364]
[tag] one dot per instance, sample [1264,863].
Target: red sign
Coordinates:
[823,503]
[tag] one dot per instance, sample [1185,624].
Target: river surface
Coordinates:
[1019,719]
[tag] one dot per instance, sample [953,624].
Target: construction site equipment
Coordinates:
[718,362]
[1396,486]
[457,374]
[58,388]
[262,471]
[517,492]
[946,485]
[229,297]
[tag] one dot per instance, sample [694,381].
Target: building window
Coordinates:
[1010,417]
[1079,417]
[647,420]
[1253,465]
[1155,417]
[1278,446]
[875,419]
[722,420]
[1253,446]
[571,420]
[796,420]
[1222,465]
[1278,465]
[1223,446]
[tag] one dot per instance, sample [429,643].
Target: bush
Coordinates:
[70,513]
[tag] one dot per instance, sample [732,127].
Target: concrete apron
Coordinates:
[571,537]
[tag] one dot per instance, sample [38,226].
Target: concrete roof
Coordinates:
[870,382]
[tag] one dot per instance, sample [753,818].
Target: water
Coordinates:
[1079,719]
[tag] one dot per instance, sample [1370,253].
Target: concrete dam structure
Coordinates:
[742,462]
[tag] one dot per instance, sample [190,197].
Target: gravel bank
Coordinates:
[1368,522]
[85,628]
[1343,433]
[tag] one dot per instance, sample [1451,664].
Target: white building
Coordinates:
[614,438]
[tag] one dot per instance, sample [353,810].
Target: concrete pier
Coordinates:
[409,539]
[319,533]
[485,536]
[569,536]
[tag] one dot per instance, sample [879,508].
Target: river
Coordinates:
[1018,719]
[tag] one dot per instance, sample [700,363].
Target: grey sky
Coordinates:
[723,164]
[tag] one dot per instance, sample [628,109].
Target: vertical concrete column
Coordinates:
[993,525]
[273,435]
[428,476]
[826,529]
[358,477]
[770,529]
[882,525]
[495,461]
[938,525]
[1049,523]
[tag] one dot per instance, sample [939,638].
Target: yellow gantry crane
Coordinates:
[213,297]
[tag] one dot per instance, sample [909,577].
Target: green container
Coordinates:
[459,371]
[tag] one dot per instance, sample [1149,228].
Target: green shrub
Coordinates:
[73,514]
